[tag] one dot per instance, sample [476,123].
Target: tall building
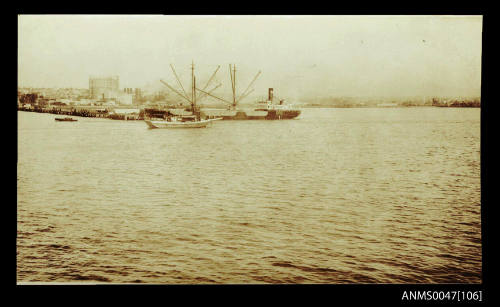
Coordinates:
[104,87]
[137,95]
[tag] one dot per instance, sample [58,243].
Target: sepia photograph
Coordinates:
[249,149]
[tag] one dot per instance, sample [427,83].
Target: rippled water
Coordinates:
[336,196]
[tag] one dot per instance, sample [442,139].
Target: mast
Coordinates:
[192,99]
[234,86]
[193,92]
[192,86]
[193,103]
[195,111]
[232,73]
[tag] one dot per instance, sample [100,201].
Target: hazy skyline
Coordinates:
[298,55]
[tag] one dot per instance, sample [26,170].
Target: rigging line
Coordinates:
[213,96]
[243,96]
[171,88]
[232,80]
[210,92]
[194,92]
[209,80]
[178,81]
[249,85]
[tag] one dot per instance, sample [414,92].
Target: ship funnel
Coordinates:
[270,97]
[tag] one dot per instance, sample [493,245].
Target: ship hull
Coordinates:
[154,124]
[282,114]
[258,115]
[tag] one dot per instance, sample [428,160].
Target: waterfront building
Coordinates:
[66,101]
[125,98]
[137,95]
[84,101]
[104,87]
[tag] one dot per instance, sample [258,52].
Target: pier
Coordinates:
[83,112]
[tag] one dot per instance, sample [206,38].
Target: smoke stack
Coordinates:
[270,97]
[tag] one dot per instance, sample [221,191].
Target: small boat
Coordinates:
[66,119]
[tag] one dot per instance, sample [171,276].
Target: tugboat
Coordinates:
[166,119]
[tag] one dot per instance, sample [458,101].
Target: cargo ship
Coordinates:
[266,110]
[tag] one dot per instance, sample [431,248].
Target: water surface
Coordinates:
[388,195]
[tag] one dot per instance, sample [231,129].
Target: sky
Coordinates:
[299,56]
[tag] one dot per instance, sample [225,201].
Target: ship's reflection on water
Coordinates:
[337,196]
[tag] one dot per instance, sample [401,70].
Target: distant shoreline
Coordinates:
[383,107]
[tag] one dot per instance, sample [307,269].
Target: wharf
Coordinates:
[98,112]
